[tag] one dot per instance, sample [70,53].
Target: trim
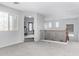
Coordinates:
[55,42]
[14,43]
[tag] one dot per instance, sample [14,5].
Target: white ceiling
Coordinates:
[54,9]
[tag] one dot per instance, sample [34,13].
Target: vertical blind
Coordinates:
[8,22]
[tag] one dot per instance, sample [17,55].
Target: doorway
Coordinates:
[28,29]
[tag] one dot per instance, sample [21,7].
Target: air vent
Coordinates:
[16,3]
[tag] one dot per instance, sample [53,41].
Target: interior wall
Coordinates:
[9,38]
[40,25]
[12,37]
[62,25]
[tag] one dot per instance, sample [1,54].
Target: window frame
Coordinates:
[7,21]
[13,15]
[8,28]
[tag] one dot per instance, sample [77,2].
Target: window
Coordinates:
[30,25]
[57,24]
[3,21]
[13,23]
[50,25]
[8,22]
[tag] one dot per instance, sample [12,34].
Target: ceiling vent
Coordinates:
[16,3]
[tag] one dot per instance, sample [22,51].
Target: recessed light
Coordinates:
[30,16]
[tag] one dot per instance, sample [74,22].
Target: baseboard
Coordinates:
[55,41]
[11,44]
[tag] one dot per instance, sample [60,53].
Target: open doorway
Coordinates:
[70,30]
[28,29]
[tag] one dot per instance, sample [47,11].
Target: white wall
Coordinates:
[9,38]
[14,37]
[62,25]
[40,25]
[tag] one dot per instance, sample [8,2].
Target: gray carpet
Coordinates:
[41,49]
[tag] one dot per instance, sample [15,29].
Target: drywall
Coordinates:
[40,25]
[9,38]
[12,37]
[62,25]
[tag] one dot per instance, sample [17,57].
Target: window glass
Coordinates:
[50,25]
[3,21]
[13,23]
[8,22]
[30,26]
[57,24]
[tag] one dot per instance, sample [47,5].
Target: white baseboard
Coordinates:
[13,43]
[55,41]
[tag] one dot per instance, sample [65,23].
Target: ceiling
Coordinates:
[54,9]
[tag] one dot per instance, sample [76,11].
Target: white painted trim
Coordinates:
[11,44]
[55,41]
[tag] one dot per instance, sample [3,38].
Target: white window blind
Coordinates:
[3,21]
[8,22]
[13,23]
[57,24]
